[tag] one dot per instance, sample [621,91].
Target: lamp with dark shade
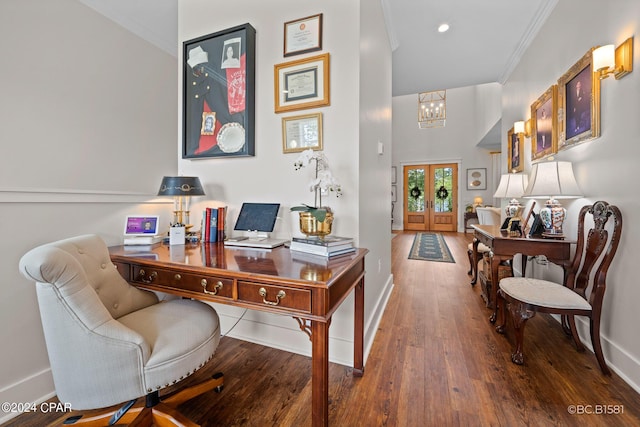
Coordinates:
[181,188]
[553,180]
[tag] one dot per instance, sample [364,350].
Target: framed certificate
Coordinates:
[300,133]
[302,84]
[303,35]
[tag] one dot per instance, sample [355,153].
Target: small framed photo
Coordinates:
[477,179]
[219,94]
[302,84]
[300,133]
[303,35]
[544,124]
[579,103]
[516,145]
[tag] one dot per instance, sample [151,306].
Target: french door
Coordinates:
[430,197]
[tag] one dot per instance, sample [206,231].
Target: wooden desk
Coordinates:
[308,288]
[503,247]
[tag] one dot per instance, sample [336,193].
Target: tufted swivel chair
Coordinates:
[109,342]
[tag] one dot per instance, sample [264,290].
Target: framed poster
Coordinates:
[300,133]
[579,103]
[515,161]
[303,35]
[218,110]
[302,84]
[544,124]
[477,179]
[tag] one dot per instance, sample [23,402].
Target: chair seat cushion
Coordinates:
[482,248]
[183,334]
[543,293]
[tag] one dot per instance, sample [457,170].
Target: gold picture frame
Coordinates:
[302,84]
[515,161]
[301,133]
[578,103]
[544,124]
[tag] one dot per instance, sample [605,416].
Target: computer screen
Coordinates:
[257,217]
[139,225]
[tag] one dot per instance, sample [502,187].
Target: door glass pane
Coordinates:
[443,189]
[415,190]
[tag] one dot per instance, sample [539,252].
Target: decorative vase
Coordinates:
[310,226]
[552,216]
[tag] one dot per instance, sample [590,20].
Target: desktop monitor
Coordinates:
[259,217]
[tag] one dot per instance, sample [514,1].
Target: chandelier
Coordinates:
[432,109]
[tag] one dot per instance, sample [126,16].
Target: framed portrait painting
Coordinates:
[515,161]
[544,123]
[218,110]
[579,103]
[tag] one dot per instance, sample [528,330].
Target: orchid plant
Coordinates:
[323,183]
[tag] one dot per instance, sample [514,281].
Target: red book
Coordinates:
[221,223]
[205,226]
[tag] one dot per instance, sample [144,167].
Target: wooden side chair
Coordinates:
[584,288]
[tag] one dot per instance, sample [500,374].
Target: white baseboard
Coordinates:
[24,390]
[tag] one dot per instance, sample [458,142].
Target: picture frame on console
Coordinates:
[544,124]
[218,110]
[579,103]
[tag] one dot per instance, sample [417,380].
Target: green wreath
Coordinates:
[415,192]
[442,193]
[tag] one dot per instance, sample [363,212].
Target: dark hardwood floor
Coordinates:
[436,361]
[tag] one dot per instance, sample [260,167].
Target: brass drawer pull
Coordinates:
[218,286]
[147,279]
[279,296]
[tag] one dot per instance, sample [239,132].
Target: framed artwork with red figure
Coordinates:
[219,94]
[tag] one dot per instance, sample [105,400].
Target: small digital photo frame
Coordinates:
[141,225]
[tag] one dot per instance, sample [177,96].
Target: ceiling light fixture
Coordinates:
[443,28]
[432,109]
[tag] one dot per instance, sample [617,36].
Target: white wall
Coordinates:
[605,168]
[455,142]
[270,175]
[88,130]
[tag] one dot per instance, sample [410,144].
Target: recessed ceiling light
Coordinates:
[443,28]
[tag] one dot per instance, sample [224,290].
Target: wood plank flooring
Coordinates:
[436,361]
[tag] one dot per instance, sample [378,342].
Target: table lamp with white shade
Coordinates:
[512,186]
[552,180]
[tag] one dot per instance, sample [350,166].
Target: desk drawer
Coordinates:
[280,296]
[201,283]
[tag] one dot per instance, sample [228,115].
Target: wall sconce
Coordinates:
[523,127]
[617,61]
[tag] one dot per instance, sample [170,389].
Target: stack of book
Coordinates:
[213,224]
[329,246]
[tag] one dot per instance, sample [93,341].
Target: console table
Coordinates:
[504,246]
[467,217]
[305,287]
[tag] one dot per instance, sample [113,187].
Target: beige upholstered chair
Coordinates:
[109,342]
[583,291]
[489,216]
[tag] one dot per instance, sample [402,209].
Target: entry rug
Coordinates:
[430,247]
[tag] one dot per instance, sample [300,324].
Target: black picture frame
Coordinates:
[219,82]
